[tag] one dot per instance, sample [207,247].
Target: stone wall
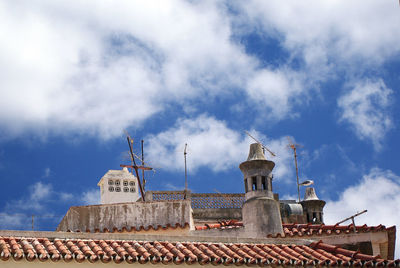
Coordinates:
[136,214]
[217,214]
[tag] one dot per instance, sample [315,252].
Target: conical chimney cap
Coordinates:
[256,152]
[310,194]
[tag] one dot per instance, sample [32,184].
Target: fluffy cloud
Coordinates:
[330,34]
[84,71]
[377,192]
[40,202]
[39,192]
[275,90]
[100,67]
[14,221]
[211,144]
[365,108]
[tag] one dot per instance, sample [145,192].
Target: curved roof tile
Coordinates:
[134,229]
[117,251]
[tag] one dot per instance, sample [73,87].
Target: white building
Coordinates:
[118,186]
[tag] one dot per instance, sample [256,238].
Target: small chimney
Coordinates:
[313,207]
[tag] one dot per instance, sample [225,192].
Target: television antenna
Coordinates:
[265,148]
[294,147]
[134,166]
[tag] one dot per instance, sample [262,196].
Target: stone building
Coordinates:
[182,228]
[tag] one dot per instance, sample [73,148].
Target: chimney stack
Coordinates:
[261,214]
[313,207]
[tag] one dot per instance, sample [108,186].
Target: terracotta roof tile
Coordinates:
[294,229]
[126,229]
[129,251]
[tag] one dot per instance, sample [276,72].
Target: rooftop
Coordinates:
[141,252]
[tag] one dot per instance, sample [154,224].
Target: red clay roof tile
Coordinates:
[134,229]
[118,251]
[294,229]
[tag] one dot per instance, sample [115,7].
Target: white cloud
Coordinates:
[275,90]
[211,144]
[40,191]
[99,67]
[86,71]
[91,197]
[9,221]
[365,108]
[66,196]
[330,34]
[377,192]
[40,202]
[46,172]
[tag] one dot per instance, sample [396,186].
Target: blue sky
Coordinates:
[76,74]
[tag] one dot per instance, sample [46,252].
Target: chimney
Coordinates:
[313,207]
[260,212]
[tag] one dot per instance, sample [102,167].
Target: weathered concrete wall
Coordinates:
[217,214]
[261,217]
[136,214]
[226,232]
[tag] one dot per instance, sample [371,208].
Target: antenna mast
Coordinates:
[184,156]
[134,166]
[294,146]
[144,180]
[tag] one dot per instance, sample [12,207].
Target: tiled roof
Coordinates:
[134,229]
[117,251]
[294,229]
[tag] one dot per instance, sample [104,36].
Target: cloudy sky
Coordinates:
[76,74]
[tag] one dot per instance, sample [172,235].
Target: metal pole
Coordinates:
[33,221]
[136,168]
[297,172]
[352,217]
[144,181]
[186,182]
[354,224]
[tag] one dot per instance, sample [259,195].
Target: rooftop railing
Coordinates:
[200,200]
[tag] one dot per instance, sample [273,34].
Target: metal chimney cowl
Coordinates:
[256,152]
[310,194]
